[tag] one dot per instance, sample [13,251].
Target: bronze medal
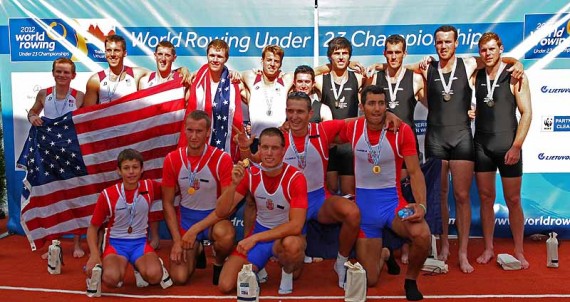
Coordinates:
[130,229]
[376,169]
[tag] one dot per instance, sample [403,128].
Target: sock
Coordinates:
[340,269]
[393,267]
[216,276]
[412,291]
[308,259]
[262,276]
[139,280]
[201,261]
[286,286]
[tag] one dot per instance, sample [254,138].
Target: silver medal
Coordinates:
[393,104]
[490,102]
[269,112]
[446,97]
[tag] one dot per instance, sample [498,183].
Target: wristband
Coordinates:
[424,207]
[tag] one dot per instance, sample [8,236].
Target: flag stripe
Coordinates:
[73,158]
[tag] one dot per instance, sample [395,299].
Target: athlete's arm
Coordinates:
[419,89]
[79,99]
[92,91]
[418,184]
[522,96]
[34,112]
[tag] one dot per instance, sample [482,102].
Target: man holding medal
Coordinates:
[498,141]
[448,135]
[378,158]
[201,173]
[280,194]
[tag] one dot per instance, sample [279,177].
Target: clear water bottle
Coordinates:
[405,212]
[55,258]
[94,283]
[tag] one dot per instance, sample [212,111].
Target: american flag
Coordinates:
[71,159]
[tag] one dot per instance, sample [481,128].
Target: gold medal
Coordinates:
[130,230]
[376,169]
[191,190]
[245,163]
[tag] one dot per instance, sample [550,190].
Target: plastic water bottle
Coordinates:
[552,250]
[55,258]
[94,283]
[405,212]
[247,286]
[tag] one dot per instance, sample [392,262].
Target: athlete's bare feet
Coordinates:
[464,264]
[78,252]
[486,256]
[522,259]
[444,252]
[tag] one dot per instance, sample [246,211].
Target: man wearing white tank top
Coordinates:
[116,81]
[280,194]
[54,102]
[164,55]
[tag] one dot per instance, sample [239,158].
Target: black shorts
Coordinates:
[449,143]
[490,150]
[341,159]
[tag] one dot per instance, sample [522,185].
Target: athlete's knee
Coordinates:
[226,285]
[292,244]
[513,201]
[223,232]
[152,274]
[372,280]
[178,276]
[111,277]
[462,196]
[352,215]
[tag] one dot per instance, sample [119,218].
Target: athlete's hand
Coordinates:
[240,138]
[188,239]
[36,120]
[238,171]
[186,76]
[513,156]
[91,262]
[425,62]
[472,112]
[517,71]
[418,215]
[285,127]
[177,254]
[246,244]
[373,68]
[392,120]
[357,67]
[235,77]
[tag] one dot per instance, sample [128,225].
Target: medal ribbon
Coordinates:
[374,151]
[491,89]
[394,92]
[301,156]
[447,87]
[132,207]
[192,172]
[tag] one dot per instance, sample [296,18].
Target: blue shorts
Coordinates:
[316,200]
[377,210]
[132,249]
[190,217]
[262,251]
